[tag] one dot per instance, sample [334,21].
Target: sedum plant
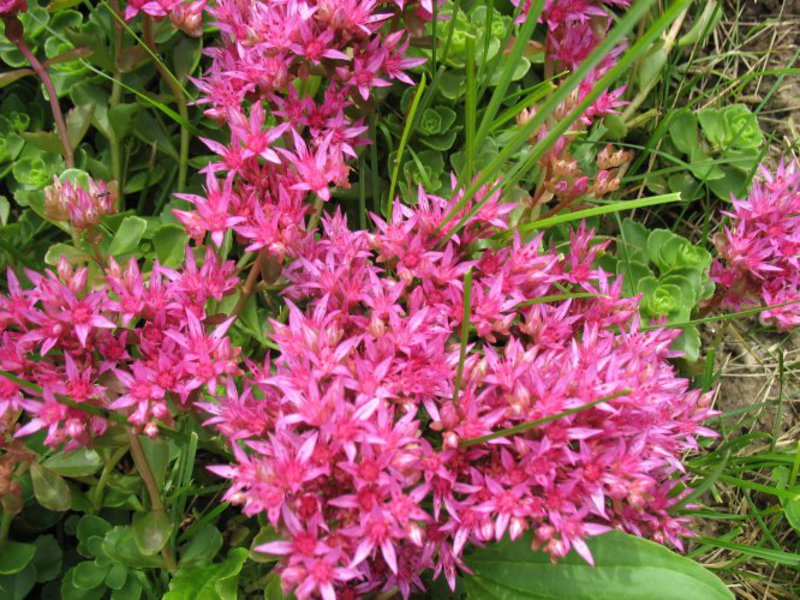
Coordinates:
[313,299]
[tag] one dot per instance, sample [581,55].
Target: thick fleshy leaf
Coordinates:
[151,531]
[15,556]
[128,235]
[218,581]
[626,568]
[51,490]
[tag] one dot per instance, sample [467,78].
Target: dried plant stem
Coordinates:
[14,33]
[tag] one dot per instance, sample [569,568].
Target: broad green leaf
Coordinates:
[70,591]
[272,590]
[688,342]
[121,118]
[202,547]
[71,253]
[51,490]
[120,546]
[651,66]
[48,558]
[15,556]
[44,140]
[128,235]
[170,241]
[713,124]
[626,568]
[217,581]
[88,575]
[116,578]
[10,77]
[78,463]
[732,183]
[151,531]
[186,57]
[132,590]
[683,131]
[18,585]
[157,452]
[78,121]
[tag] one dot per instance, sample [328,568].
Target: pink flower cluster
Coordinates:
[186,15]
[275,55]
[361,442]
[129,343]
[760,249]
[80,206]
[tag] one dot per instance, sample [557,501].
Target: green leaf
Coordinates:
[186,56]
[202,547]
[18,585]
[148,129]
[157,452]
[48,558]
[116,578]
[15,556]
[741,128]
[51,490]
[78,121]
[632,272]
[90,526]
[10,77]
[132,590]
[128,235]
[78,463]
[627,568]
[732,183]
[120,547]
[217,581]
[151,531]
[683,131]
[43,140]
[272,589]
[121,118]
[170,241]
[713,125]
[651,66]
[688,342]
[70,591]
[88,575]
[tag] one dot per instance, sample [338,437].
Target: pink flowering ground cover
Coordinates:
[335,299]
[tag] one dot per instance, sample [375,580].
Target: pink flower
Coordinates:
[10,7]
[760,250]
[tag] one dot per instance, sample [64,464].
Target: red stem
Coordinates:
[14,33]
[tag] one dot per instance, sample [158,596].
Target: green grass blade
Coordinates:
[510,63]
[466,312]
[410,121]
[470,112]
[605,209]
[624,26]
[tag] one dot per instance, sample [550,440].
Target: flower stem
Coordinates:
[249,285]
[140,460]
[14,33]
[314,220]
[177,92]
[108,468]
